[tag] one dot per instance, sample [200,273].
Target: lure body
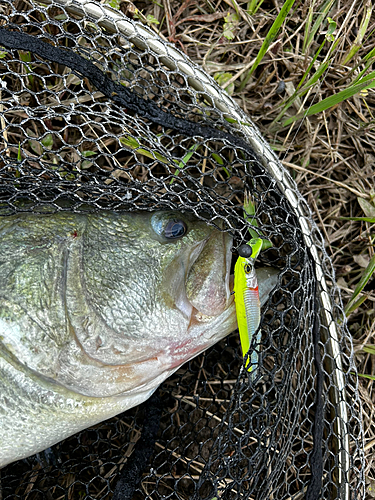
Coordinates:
[246,296]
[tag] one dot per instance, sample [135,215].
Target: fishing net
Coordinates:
[97,112]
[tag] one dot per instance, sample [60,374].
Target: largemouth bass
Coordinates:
[96,310]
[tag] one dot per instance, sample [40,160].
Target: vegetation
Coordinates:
[303,71]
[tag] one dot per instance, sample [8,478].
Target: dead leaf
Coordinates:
[341,282]
[367,207]
[361,260]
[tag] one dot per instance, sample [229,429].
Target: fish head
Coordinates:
[169,299]
[108,304]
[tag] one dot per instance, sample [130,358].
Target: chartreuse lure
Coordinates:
[246,296]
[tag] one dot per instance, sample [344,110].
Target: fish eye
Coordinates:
[170,228]
[174,229]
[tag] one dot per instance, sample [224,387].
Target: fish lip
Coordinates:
[182,302]
[231,284]
[196,317]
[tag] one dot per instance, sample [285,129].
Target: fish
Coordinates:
[97,310]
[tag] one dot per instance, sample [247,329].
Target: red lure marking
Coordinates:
[75,234]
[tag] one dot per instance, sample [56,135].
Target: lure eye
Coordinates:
[248,268]
[175,229]
[168,227]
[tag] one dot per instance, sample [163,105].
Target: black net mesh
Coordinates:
[148,130]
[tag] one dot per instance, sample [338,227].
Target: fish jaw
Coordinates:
[207,282]
[204,332]
[197,331]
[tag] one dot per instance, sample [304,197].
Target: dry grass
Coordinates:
[331,155]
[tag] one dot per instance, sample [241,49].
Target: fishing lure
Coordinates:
[246,296]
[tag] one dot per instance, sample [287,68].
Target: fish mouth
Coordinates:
[205,301]
[206,288]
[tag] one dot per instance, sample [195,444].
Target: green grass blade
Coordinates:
[361,33]
[308,25]
[369,55]
[132,143]
[312,81]
[218,159]
[271,35]
[359,77]
[364,219]
[253,6]
[249,211]
[185,159]
[370,76]
[371,377]
[370,348]
[367,273]
[366,83]
[115,4]
[256,245]
[355,304]
[26,58]
[319,20]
